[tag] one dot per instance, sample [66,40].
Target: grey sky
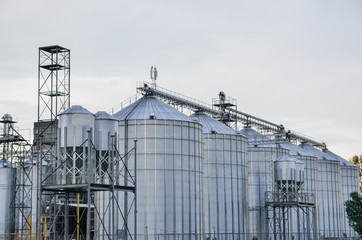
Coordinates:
[298,63]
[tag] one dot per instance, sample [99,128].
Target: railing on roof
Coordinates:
[247,119]
[124,104]
[175,98]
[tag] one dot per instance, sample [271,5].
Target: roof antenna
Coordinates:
[153,74]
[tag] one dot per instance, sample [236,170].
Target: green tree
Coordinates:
[358,161]
[354,212]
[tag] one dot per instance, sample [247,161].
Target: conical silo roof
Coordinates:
[149,107]
[211,125]
[254,136]
[101,115]
[295,150]
[315,152]
[284,159]
[340,159]
[76,109]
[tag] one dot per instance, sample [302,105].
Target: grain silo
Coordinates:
[328,193]
[348,184]
[169,169]
[225,180]
[285,175]
[7,180]
[261,153]
[106,129]
[76,124]
[305,214]
[7,198]
[310,165]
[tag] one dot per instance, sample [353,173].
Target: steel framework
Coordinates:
[16,150]
[53,82]
[280,209]
[225,110]
[92,185]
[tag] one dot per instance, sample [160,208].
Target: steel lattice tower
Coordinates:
[53,82]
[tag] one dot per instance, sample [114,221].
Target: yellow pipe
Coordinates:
[29,219]
[10,234]
[78,219]
[45,226]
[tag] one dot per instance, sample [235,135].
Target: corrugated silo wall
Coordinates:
[329,198]
[310,172]
[7,194]
[305,230]
[225,186]
[260,180]
[349,183]
[169,177]
[104,130]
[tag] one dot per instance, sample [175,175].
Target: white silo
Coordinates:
[328,193]
[303,217]
[261,152]
[7,198]
[75,124]
[285,175]
[169,169]
[225,180]
[299,176]
[309,165]
[106,128]
[349,182]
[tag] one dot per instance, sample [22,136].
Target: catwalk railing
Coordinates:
[233,114]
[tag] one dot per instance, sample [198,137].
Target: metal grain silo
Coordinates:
[169,169]
[309,162]
[328,193]
[307,219]
[225,180]
[261,153]
[75,124]
[7,196]
[349,182]
[285,174]
[299,176]
[106,129]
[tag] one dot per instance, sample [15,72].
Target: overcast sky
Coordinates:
[296,63]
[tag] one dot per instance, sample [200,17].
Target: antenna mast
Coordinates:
[153,74]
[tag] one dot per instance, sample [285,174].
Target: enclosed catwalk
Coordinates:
[349,183]
[329,203]
[261,153]
[225,180]
[169,170]
[7,192]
